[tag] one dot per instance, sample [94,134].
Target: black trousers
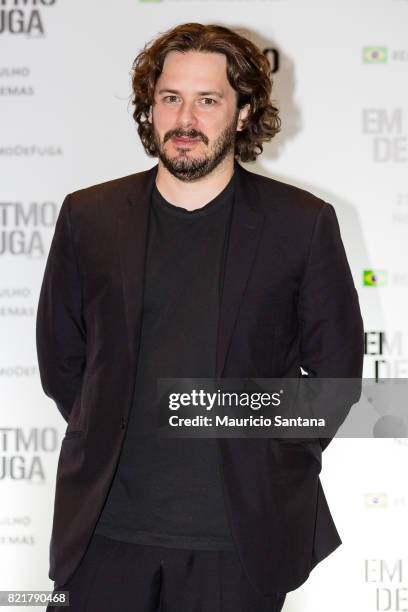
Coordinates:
[118,576]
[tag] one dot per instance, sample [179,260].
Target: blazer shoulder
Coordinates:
[288,197]
[117,188]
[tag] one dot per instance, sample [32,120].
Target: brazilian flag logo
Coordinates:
[375,55]
[374,278]
[376,500]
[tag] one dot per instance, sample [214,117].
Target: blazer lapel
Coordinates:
[245,231]
[132,228]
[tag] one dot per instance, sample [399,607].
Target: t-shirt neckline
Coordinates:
[211,206]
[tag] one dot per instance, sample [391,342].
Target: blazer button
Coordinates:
[122,422]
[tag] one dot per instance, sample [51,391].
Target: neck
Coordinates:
[194,194]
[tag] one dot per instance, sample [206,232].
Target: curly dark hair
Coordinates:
[248,72]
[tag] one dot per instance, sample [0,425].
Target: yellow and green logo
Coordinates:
[376,500]
[375,55]
[374,278]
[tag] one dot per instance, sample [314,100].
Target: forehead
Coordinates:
[195,71]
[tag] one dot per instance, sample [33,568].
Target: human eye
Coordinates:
[211,100]
[168,98]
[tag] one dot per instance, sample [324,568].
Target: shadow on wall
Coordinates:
[283,96]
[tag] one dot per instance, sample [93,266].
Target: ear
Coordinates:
[243,114]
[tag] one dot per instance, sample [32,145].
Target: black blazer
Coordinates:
[288,301]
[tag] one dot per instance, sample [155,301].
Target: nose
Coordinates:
[186,115]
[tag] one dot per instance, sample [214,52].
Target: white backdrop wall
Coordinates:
[65,121]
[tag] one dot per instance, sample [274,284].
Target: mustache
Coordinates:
[178,133]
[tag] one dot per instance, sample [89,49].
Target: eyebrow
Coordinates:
[200,93]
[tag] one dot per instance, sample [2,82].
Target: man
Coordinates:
[194,268]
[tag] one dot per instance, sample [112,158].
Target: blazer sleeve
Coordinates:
[60,329]
[331,325]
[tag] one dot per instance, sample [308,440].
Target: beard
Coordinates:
[188,168]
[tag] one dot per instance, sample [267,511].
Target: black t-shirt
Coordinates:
[168,491]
